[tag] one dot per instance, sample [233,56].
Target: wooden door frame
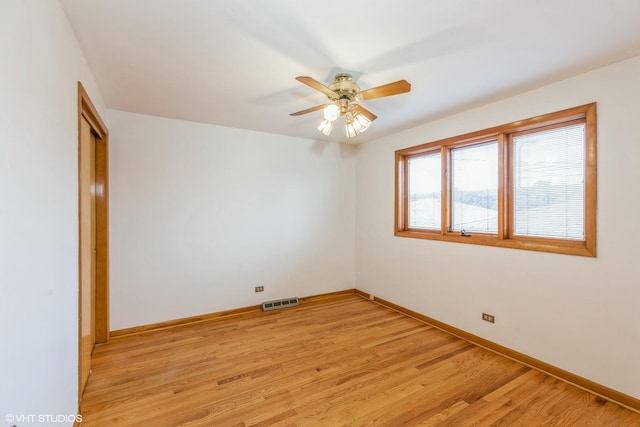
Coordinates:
[87,110]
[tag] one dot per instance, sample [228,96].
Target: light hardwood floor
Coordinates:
[344,361]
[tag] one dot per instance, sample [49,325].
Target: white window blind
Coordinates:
[425,191]
[548,177]
[474,181]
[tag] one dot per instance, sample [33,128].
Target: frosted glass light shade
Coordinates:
[331,112]
[361,123]
[351,130]
[325,127]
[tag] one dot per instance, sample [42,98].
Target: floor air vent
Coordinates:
[280,303]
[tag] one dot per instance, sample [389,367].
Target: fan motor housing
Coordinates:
[344,86]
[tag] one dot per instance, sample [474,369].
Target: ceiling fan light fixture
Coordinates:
[342,93]
[325,127]
[331,112]
[361,123]
[351,130]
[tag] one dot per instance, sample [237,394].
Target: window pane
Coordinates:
[474,182]
[424,191]
[549,183]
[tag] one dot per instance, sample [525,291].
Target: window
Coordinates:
[527,185]
[424,191]
[474,188]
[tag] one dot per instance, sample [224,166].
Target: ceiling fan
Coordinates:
[342,93]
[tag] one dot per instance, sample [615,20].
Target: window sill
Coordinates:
[578,248]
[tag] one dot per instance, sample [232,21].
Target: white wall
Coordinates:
[40,66]
[201,214]
[580,314]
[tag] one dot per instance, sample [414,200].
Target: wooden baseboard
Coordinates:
[327,297]
[219,315]
[573,379]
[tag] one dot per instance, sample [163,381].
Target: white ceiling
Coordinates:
[233,62]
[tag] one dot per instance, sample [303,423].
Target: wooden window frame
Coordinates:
[503,135]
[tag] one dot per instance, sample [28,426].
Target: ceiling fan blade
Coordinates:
[368,114]
[308,110]
[395,88]
[313,83]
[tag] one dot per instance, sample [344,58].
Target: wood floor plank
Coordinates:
[338,362]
